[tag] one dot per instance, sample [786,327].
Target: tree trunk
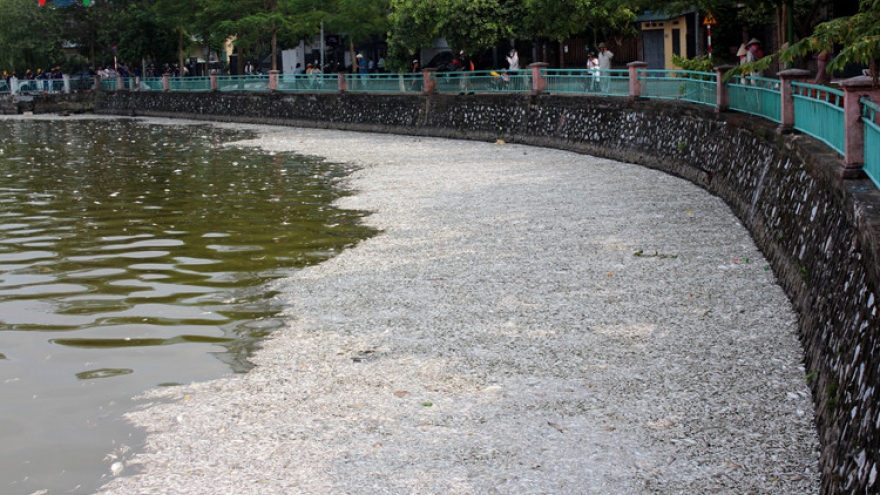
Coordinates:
[353,56]
[240,62]
[180,53]
[275,47]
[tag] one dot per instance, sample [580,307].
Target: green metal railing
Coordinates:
[483,81]
[193,83]
[871,119]
[151,84]
[693,86]
[818,111]
[757,96]
[309,83]
[241,83]
[384,83]
[613,82]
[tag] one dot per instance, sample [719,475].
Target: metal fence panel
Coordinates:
[693,86]
[614,82]
[871,119]
[757,96]
[818,111]
[311,83]
[384,83]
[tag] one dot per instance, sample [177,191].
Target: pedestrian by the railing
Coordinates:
[822,75]
[754,54]
[513,59]
[465,65]
[415,68]
[605,56]
[592,73]
[381,64]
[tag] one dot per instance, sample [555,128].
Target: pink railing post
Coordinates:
[341,82]
[722,91]
[429,81]
[635,85]
[539,83]
[215,86]
[273,80]
[786,93]
[854,129]
[120,85]
[166,82]
[96,81]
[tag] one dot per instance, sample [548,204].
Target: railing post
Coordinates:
[341,82]
[65,83]
[635,85]
[429,81]
[786,111]
[13,90]
[166,82]
[273,80]
[96,80]
[539,83]
[722,91]
[215,86]
[120,84]
[854,129]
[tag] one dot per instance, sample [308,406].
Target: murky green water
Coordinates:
[131,256]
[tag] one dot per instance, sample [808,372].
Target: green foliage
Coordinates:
[859,35]
[757,66]
[30,38]
[699,64]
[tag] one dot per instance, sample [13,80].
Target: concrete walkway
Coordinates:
[530,321]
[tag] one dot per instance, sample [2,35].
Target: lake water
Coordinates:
[136,255]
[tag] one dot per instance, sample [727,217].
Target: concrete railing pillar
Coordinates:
[65,83]
[429,81]
[97,82]
[120,84]
[273,80]
[215,85]
[539,83]
[166,82]
[722,91]
[341,82]
[786,114]
[635,85]
[854,89]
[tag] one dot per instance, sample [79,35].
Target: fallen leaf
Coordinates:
[401,393]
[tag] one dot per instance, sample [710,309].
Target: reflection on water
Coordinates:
[131,256]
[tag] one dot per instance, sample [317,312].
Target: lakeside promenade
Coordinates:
[529,321]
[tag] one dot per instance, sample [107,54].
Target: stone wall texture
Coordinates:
[818,231]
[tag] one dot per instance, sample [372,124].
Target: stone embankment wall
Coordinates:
[818,231]
[63,104]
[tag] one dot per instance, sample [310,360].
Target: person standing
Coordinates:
[605,56]
[593,71]
[513,60]
[754,54]
[822,76]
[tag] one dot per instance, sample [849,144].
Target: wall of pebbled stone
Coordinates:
[819,232]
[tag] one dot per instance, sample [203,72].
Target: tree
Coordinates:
[180,17]
[859,35]
[31,35]
[359,20]
[468,25]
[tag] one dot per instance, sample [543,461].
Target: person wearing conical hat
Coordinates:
[754,53]
[741,53]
